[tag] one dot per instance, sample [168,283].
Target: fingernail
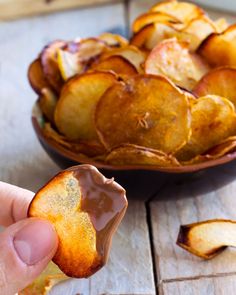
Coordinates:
[35,241]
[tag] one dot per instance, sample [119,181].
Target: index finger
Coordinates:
[14,203]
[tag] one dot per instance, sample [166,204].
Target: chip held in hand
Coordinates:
[85,209]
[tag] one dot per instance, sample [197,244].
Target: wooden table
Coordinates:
[144,258]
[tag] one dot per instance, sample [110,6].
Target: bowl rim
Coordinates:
[82,159]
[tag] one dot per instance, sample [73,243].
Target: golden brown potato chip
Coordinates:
[130,154]
[75,107]
[50,64]
[172,59]
[40,285]
[183,11]
[135,56]
[147,111]
[220,49]
[113,40]
[85,209]
[152,17]
[47,103]
[151,35]
[87,148]
[201,28]
[213,120]
[36,76]
[207,239]
[220,81]
[226,147]
[117,64]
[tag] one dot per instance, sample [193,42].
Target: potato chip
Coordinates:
[135,56]
[220,81]
[85,209]
[87,148]
[113,40]
[129,154]
[172,59]
[152,17]
[147,111]
[207,239]
[220,49]
[183,11]
[117,64]
[50,64]
[213,120]
[75,108]
[201,28]
[40,285]
[36,76]
[221,25]
[47,103]
[151,35]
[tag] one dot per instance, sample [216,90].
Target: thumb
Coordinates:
[26,248]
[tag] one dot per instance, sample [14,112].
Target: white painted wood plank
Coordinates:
[206,286]
[205,196]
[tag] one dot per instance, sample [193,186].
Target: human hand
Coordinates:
[26,245]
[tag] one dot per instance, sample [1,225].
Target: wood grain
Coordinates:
[201,196]
[11,9]
[205,286]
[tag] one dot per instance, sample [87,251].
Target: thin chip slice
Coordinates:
[39,286]
[183,11]
[220,49]
[173,59]
[88,148]
[129,154]
[201,28]
[213,120]
[36,77]
[152,17]
[85,209]
[76,105]
[209,238]
[135,56]
[50,64]
[147,111]
[117,64]
[47,103]
[151,35]
[226,147]
[219,81]
[113,40]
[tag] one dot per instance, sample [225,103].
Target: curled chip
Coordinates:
[172,59]
[183,11]
[153,17]
[113,40]
[76,105]
[151,35]
[220,49]
[85,209]
[147,111]
[50,64]
[117,64]
[213,120]
[47,279]
[36,76]
[209,238]
[129,154]
[219,81]
[47,102]
[135,56]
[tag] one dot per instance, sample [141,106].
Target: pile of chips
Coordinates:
[166,97]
